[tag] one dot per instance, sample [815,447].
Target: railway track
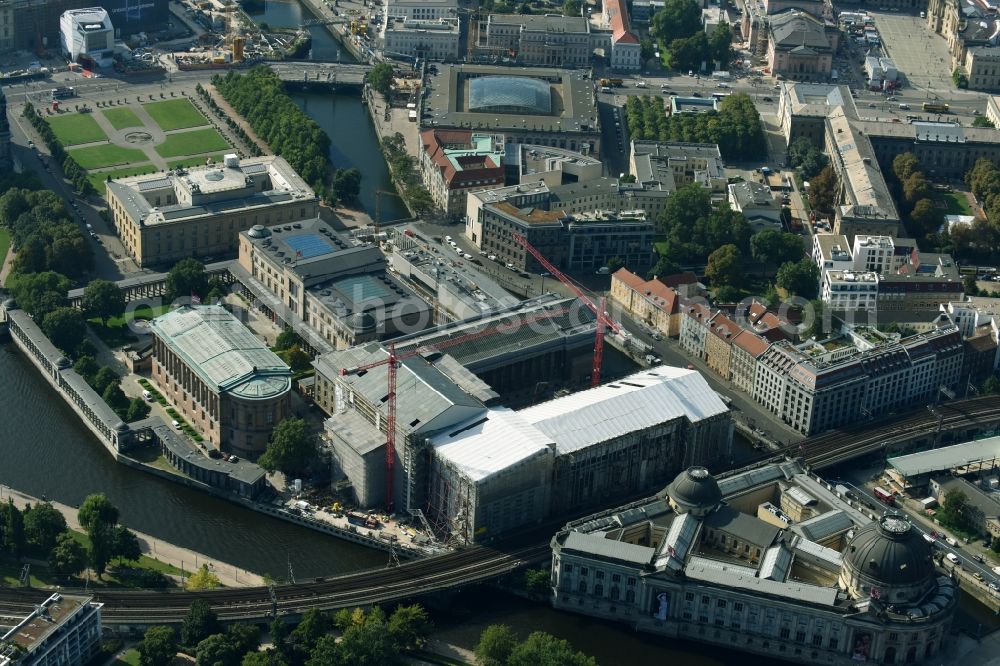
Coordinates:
[479,563]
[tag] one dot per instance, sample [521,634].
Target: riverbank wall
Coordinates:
[117,437]
[322,13]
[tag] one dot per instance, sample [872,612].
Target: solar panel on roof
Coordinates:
[308,246]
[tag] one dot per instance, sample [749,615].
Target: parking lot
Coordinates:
[919,54]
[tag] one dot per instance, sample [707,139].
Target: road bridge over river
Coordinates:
[956,421]
[312,72]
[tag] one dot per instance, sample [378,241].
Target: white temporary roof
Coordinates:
[639,401]
[947,457]
[491,443]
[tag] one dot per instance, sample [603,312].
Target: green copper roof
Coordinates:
[223,352]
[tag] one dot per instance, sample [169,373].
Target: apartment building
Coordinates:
[696,319]
[164,217]
[652,301]
[221,377]
[719,343]
[677,165]
[455,162]
[746,348]
[63,629]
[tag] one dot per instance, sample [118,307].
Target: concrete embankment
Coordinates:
[182,558]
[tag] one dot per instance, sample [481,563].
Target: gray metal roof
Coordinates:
[800,496]
[426,399]
[731,485]
[731,577]
[677,543]
[947,457]
[598,546]
[742,526]
[243,471]
[355,431]
[824,525]
[776,563]
[720,566]
[223,352]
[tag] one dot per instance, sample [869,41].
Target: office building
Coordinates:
[339,288]
[454,162]
[429,39]
[626,52]
[164,217]
[694,562]
[221,377]
[570,240]
[88,33]
[539,106]
[756,202]
[63,629]
[677,165]
[970,29]
[33,25]
[553,166]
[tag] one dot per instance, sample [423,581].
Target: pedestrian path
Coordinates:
[182,558]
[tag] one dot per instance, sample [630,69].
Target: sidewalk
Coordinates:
[183,558]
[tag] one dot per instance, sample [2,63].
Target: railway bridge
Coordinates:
[920,428]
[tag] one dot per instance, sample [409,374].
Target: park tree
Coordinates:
[955,510]
[367,645]
[687,53]
[86,367]
[538,581]
[800,278]
[104,378]
[678,19]
[125,544]
[291,450]
[823,190]
[720,44]
[725,266]
[925,218]
[217,650]
[286,339]
[38,293]
[347,184]
[32,256]
[186,279]
[495,645]
[116,399]
[916,187]
[572,7]
[138,409]
[98,517]
[11,528]
[982,121]
[270,658]
[297,359]
[104,300]
[65,327]
[727,294]
[244,637]
[158,647]
[380,77]
[409,626]
[905,165]
[776,247]
[68,557]
[542,649]
[202,579]
[806,157]
[42,526]
[991,386]
[199,623]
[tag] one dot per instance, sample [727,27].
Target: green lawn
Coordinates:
[96,157]
[76,128]
[117,333]
[4,244]
[144,561]
[192,143]
[194,161]
[97,178]
[175,114]
[129,658]
[122,117]
[957,203]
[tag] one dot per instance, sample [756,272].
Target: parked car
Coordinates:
[951,542]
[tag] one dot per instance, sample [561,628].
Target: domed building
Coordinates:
[723,561]
[694,490]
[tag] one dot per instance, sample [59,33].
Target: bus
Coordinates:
[884,496]
[63,92]
[935,107]
[721,95]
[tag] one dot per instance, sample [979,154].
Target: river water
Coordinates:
[342,116]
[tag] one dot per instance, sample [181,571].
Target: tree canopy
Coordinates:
[199,623]
[103,299]
[725,266]
[65,327]
[806,157]
[823,190]
[42,526]
[67,557]
[380,77]
[38,293]
[292,448]
[800,278]
[157,647]
[203,579]
[693,229]
[187,278]
[771,246]
[677,20]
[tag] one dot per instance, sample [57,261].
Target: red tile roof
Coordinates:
[474,168]
[751,343]
[725,328]
[679,279]
[618,15]
[657,293]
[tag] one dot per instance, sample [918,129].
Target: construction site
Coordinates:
[420,426]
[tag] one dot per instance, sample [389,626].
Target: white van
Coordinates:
[147,396]
[952,557]
[904,107]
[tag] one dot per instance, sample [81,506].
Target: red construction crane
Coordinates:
[393,361]
[603,320]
